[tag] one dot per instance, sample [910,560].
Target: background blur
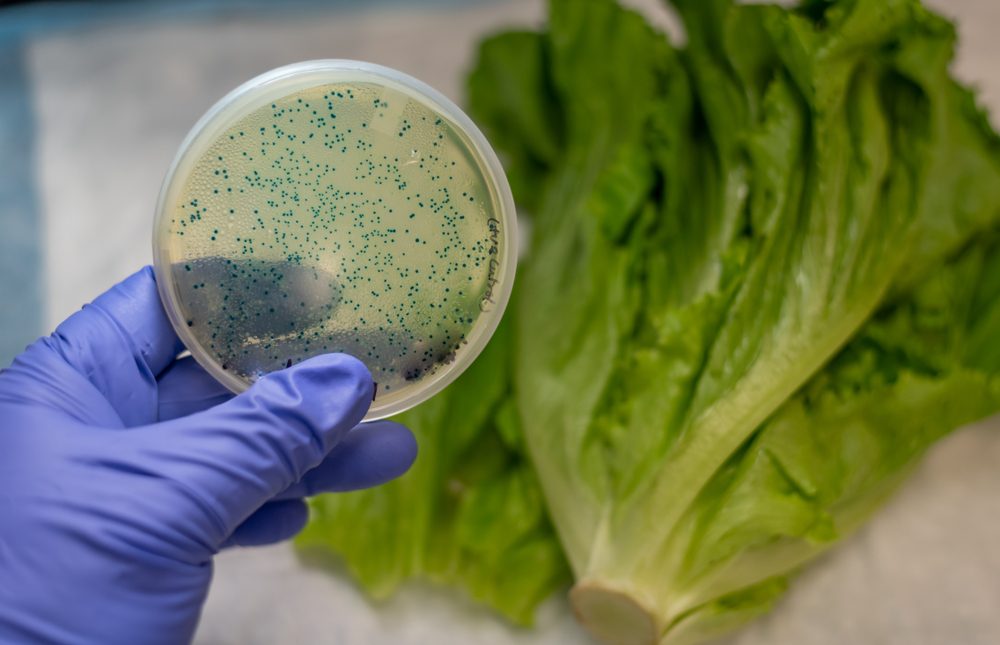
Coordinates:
[95,98]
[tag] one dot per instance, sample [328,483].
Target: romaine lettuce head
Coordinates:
[745,312]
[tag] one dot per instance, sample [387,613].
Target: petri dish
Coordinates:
[336,206]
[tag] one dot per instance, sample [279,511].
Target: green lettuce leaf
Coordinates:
[721,222]
[468,514]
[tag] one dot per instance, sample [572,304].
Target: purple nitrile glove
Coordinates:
[123,470]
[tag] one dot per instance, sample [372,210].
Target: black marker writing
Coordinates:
[491,281]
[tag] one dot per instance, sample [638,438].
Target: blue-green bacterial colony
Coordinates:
[347,217]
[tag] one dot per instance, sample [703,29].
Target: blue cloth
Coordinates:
[20,227]
[124,471]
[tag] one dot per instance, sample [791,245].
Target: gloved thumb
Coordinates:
[238,455]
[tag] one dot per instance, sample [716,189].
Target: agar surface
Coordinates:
[342,218]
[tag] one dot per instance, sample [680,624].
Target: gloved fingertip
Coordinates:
[273,522]
[371,454]
[399,441]
[376,453]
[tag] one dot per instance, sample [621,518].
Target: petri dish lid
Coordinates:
[336,206]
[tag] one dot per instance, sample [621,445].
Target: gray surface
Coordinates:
[113,103]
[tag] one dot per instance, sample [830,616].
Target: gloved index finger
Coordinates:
[238,455]
[121,342]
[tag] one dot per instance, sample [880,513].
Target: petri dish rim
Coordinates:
[285,80]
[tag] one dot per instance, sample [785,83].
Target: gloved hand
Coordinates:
[123,470]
